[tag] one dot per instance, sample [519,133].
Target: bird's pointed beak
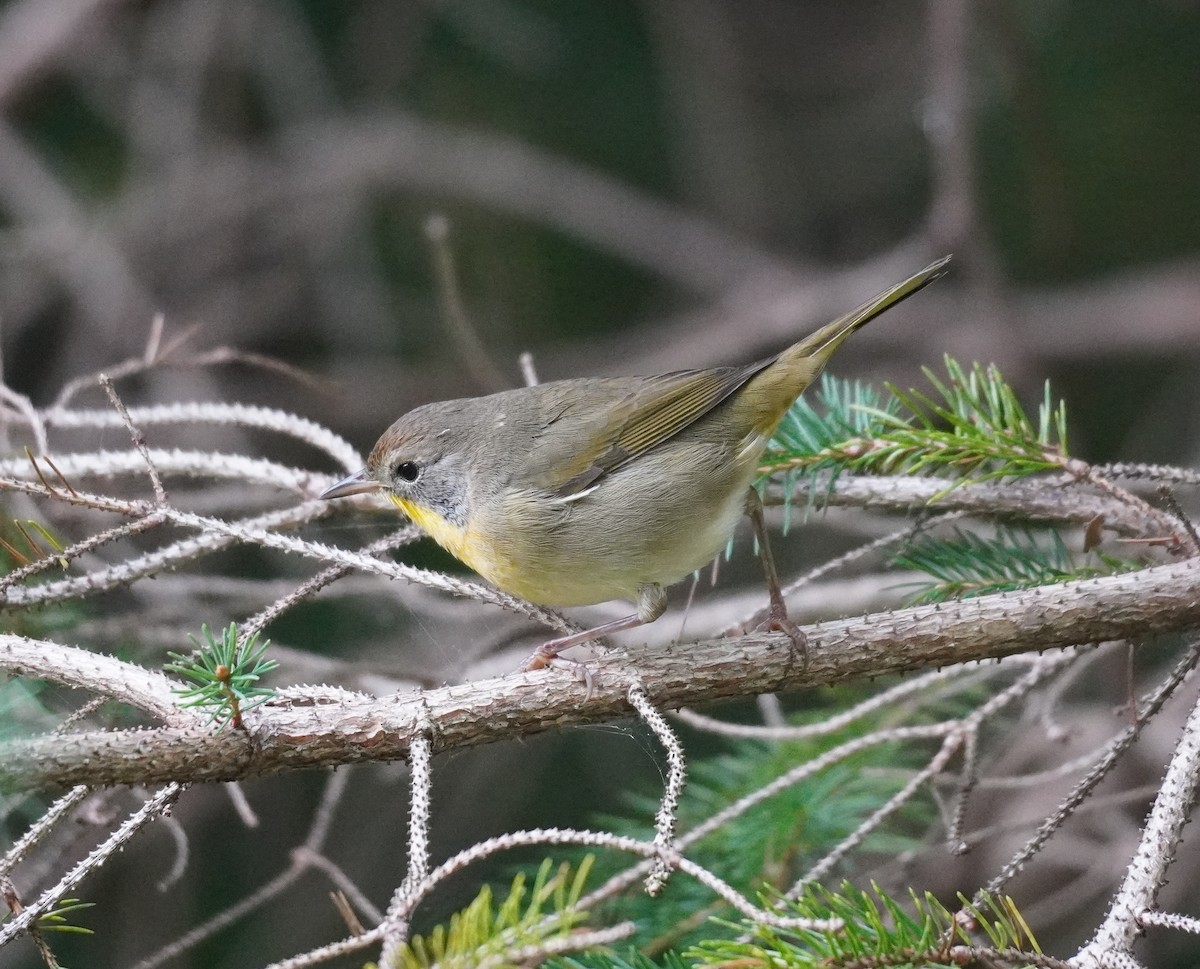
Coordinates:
[358,483]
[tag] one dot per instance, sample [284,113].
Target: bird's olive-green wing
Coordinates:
[635,421]
[659,409]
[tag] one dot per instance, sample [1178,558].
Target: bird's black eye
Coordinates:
[407,471]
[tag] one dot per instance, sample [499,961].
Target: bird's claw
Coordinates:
[777,621]
[541,659]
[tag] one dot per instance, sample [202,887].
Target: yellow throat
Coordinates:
[459,542]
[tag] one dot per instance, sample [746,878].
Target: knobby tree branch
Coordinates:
[305,728]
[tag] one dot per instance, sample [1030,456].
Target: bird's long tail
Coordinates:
[821,345]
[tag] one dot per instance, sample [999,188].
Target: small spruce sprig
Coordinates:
[484,933]
[971,426]
[967,564]
[56,920]
[224,672]
[878,930]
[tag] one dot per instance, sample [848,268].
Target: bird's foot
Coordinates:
[777,621]
[547,656]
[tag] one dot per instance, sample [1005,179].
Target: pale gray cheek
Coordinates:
[448,498]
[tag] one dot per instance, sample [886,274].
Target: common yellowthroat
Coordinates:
[580,491]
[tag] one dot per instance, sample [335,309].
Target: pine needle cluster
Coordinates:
[502,936]
[969,426]
[876,929]
[967,564]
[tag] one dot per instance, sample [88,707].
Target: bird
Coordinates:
[585,490]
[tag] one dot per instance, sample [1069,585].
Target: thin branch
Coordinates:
[668,811]
[1038,499]
[599,839]
[959,677]
[303,859]
[1151,704]
[153,808]
[59,559]
[528,369]
[420,762]
[791,778]
[1170,920]
[170,356]
[1147,871]
[306,590]
[220,414]
[1048,667]
[139,439]
[42,827]
[155,561]
[267,892]
[23,408]
[454,313]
